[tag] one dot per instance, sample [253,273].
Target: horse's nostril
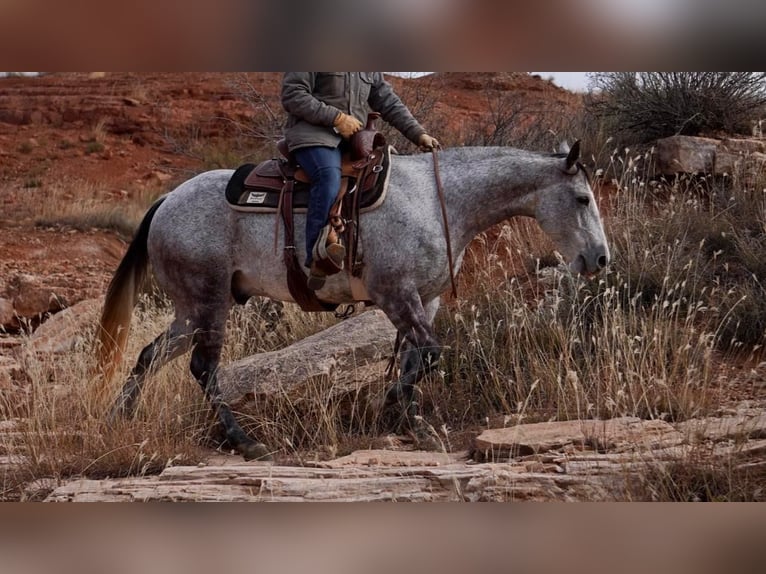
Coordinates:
[602,261]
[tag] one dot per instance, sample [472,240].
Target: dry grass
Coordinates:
[96,212]
[65,433]
[700,477]
[82,205]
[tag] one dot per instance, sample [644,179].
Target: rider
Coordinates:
[324,110]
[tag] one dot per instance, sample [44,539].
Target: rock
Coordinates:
[751,426]
[10,372]
[417,476]
[30,299]
[265,482]
[358,341]
[12,437]
[64,330]
[736,156]
[10,342]
[159,176]
[686,154]
[697,155]
[7,313]
[743,146]
[627,433]
[9,464]
[726,162]
[394,458]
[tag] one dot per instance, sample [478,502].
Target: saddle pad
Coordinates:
[262,200]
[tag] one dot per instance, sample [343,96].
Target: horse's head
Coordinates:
[567,211]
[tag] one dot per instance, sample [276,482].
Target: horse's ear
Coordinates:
[572,157]
[564,147]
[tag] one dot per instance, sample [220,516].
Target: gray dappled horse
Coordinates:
[207,257]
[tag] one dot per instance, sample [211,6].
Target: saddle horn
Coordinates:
[367,139]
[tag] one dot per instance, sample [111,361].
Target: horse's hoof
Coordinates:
[424,436]
[255,451]
[118,413]
[397,397]
[427,443]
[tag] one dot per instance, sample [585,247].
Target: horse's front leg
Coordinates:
[416,361]
[420,350]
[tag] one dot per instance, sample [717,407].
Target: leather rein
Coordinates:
[442,202]
[440,191]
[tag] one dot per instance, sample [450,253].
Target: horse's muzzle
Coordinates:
[589,265]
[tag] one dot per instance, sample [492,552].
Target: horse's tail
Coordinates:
[121,297]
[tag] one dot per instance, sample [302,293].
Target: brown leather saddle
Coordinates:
[258,188]
[280,186]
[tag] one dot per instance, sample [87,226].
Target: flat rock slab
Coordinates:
[262,482]
[395,458]
[355,342]
[587,460]
[626,433]
[740,426]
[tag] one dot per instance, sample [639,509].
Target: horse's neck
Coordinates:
[485,186]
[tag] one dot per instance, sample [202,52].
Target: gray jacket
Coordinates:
[313,100]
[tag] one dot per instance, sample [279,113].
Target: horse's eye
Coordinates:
[583,200]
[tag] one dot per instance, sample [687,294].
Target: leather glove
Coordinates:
[346,125]
[427,142]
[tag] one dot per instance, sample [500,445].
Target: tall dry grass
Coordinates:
[683,294]
[83,205]
[64,431]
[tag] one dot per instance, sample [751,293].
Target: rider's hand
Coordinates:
[427,142]
[346,125]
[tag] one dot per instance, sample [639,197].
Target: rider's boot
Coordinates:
[317,276]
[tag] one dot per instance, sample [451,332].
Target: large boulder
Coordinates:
[29,300]
[351,344]
[698,155]
[684,154]
[65,330]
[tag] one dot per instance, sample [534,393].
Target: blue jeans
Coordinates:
[322,165]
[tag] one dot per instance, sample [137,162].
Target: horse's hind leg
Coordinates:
[169,345]
[204,365]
